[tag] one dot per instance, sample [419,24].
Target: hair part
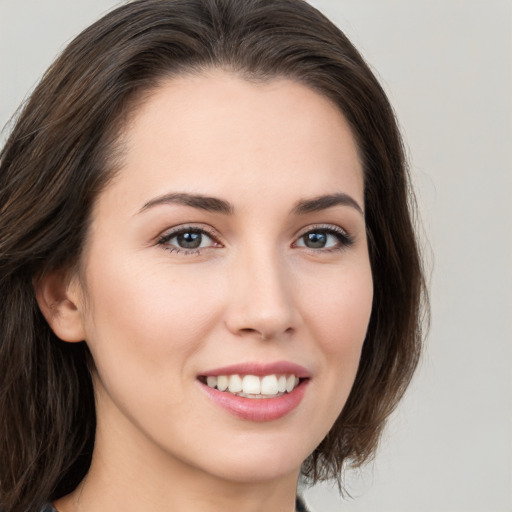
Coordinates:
[67,145]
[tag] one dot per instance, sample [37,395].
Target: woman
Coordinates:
[211,279]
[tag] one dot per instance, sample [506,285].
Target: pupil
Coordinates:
[315,240]
[189,240]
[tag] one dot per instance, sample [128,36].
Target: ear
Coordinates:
[58,297]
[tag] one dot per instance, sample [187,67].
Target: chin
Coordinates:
[261,472]
[260,460]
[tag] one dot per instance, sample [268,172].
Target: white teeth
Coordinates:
[252,386]
[290,383]
[222,382]
[235,384]
[269,385]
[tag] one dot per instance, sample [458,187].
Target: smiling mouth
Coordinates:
[253,386]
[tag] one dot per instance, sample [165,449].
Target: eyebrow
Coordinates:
[216,205]
[210,204]
[323,202]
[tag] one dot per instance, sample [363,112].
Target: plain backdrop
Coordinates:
[447,66]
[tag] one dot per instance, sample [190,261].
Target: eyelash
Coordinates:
[345,240]
[164,239]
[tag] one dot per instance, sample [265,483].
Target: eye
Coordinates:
[187,239]
[326,238]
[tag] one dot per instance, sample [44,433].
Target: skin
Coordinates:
[155,317]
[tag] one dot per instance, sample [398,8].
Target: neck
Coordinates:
[129,472]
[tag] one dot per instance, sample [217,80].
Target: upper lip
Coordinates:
[260,369]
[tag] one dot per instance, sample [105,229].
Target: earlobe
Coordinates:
[58,299]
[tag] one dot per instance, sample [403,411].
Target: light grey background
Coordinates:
[447,66]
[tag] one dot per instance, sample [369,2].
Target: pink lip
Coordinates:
[259,369]
[258,409]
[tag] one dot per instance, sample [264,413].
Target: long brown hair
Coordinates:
[62,152]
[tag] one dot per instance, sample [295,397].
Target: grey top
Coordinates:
[48,508]
[299,505]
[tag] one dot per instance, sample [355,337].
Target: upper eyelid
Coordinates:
[163,240]
[345,238]
[323,227]
[183,228]
[217,237]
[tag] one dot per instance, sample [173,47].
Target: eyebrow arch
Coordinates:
[214,204]
[211,204]
[323,202]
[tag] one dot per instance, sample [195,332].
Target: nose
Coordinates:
[262,299]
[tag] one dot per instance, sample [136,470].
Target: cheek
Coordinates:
[340,311]
[145,316]
[144,326]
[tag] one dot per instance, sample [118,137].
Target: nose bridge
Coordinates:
[262,300]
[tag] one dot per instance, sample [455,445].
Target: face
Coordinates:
[230,250]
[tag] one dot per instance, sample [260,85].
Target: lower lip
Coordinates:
[258,409]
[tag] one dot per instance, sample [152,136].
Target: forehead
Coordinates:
[218,134]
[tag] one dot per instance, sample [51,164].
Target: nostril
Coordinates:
[256,332]
[263,334]
[248,330]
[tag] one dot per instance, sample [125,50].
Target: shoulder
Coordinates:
[48,508]
[300,506]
